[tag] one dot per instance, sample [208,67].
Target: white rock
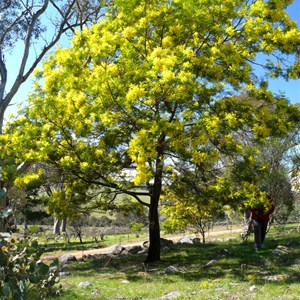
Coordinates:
[125,281]
[172,295]
[84,284]
[252,288]
[171,269]
[211,263]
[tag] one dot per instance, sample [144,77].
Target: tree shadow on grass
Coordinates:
[239,263]
[61,245]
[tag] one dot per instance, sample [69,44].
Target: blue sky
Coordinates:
[291,88]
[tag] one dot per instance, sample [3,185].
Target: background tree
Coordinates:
[30,29]
[272,167]
[154,84]
[195,196]
[36,26]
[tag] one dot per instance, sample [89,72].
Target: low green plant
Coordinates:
[22,274]
[34,229]
[136,228]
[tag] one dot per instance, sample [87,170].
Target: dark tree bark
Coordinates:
[154,231]
[56,226]
[154,226]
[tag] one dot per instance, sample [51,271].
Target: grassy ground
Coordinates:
[244,274]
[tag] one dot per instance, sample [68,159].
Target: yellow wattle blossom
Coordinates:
[66,161]
[84,166]
[29,178]
[167,42]
[200,157]
[230,31]
[231,119]
[158,52]
[129,32]
[167,76]
[185,77]
[157,81]
[135,92]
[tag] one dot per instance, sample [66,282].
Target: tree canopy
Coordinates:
[154,85]
[28,31]
[34,27]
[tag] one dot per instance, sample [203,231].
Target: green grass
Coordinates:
[128,278]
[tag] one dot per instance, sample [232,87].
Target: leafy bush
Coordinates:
[34,229]
[22,274]
[137,228]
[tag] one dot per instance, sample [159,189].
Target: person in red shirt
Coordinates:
[260,218]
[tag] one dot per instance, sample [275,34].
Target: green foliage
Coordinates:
[268,163]
[154,83]
[195,198]
[136,227]
[144,80]
[34,229]
[22,274]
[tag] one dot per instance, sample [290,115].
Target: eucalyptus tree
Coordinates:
[154,83]
[194,198]
[266,160]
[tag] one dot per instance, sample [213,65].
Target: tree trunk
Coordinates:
[154,228]
[25,226]
[3,205]
[2,225]
[247,215]
[154,232]
[56,226]
[63,226]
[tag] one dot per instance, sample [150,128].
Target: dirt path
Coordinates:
[79,254]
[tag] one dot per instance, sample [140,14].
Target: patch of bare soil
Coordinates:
[79,254]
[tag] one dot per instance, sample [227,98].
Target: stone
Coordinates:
[271,278]
[64,274]
[224,253]
[171,269]
[282,250]
[53,269]
[186,240]
[191,236]
[172,295]
[252,288]
[67,258]
[134,249]
[196,241]
[115,249]
[166,243]
[84,284]
[125,281]
[212,263]
[95,292]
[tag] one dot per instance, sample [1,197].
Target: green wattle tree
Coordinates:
[153,84]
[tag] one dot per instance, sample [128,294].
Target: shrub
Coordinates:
[34,229]
[22,274]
